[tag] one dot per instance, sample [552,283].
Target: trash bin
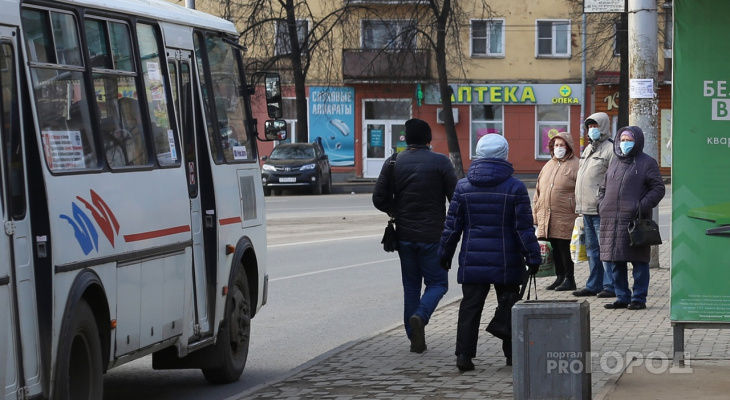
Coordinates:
[551,346]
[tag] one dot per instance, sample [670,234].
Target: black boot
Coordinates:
[558,280]
[568,284]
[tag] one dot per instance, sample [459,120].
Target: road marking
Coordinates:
[321,241]
[332,269]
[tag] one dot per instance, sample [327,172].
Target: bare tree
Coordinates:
[439,25]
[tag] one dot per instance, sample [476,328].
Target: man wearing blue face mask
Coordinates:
[632,188]
[594,162]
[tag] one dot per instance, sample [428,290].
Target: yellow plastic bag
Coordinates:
[578,242]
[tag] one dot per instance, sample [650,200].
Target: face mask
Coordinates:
[559,152]
[626,147]
[594,133]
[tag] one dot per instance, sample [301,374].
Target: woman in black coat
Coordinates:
[633,186]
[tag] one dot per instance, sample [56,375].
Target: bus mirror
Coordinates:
[275,129]
[272,83]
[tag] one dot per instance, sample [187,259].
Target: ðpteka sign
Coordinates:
[498,93]
[700,163]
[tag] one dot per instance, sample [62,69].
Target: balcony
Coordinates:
[372,66]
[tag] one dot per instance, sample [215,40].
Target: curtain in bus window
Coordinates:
[231,129]
[120,119]
[163,136]
[52,43]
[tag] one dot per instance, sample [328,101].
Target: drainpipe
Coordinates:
[583,85]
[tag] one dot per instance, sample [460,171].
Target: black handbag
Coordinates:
[501,324]
[644,232]
[390,236]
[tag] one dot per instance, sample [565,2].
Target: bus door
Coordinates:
[19,336]
[180,69]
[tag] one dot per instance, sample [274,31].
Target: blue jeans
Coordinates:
[600,277]
[621,281]
[420,264]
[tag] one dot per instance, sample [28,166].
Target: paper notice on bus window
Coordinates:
[153,71]
[63,149]
[239,153]
[171,140]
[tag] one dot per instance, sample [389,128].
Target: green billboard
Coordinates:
[701,162]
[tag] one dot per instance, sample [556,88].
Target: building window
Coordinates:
[551,120]
[283,44]
[485,118]
[388,34]
[487,38]
[553,38]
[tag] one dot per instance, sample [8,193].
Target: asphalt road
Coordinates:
[330,283]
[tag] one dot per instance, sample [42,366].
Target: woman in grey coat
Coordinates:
[633,185]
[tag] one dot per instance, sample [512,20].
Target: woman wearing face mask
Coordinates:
[554,207]
[633,185]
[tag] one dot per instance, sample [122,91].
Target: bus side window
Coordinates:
[163,137]
[122,132]
[59,88]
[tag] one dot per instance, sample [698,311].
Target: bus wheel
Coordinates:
[234,335]
[78,367]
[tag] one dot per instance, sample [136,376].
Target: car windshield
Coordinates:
[292,152]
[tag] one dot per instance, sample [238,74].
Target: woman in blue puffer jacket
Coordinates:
[493,211]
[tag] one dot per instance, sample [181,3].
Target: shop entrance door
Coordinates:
[382,139]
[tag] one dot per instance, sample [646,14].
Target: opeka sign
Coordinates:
[542,94]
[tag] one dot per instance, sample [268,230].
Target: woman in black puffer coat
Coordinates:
[633,185]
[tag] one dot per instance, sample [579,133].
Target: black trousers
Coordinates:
[561,256]
[470,316]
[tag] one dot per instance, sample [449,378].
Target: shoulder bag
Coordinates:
[644,232]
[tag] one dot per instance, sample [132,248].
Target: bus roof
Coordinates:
[161,10]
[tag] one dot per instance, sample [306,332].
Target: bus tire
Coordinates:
[234,335]
[79,365]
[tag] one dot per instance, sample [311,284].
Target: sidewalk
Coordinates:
[382,367]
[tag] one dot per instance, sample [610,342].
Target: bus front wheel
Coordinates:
[78,367]
[234,335]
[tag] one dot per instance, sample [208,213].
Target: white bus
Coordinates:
[131,194]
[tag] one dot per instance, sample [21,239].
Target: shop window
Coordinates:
[487,38]
[388,34]
[485,118]
[553,38]
[551,120]
[283,44]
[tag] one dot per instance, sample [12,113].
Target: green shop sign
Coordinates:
[507,94]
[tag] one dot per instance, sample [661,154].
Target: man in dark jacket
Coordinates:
[633,186]
[492,210]
[424,183]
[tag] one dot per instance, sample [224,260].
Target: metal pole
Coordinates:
[643,64]
[583,85]
[190,4]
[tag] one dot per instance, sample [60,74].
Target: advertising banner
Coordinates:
[332,118]
[700,163]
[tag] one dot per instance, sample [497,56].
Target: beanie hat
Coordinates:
[590,122]
[628,133]
[417,131]
[492,145]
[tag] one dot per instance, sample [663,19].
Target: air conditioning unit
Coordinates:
[440,115]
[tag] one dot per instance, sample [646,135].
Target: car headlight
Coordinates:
[268,167]
[308,166]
